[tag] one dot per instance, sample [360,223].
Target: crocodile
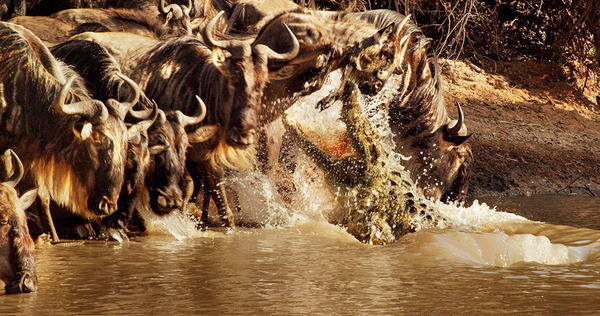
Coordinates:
[382,203]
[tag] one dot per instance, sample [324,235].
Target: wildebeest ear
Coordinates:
[203,133]
[383,34]
[83,130]
[169,17]
[27,198]
[458,140]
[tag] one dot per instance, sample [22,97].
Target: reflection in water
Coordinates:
[583,210]
[309,267]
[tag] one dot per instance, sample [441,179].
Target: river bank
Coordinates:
[533,132]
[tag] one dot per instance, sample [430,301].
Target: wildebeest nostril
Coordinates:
[105,207]
[26,283]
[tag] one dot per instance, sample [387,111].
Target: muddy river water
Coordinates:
[307,266]
[520,255]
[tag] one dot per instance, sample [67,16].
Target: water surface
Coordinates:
[313,267]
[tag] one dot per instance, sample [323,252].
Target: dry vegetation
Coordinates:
[563,32]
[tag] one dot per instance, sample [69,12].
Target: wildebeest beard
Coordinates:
[167,76]
[78,163]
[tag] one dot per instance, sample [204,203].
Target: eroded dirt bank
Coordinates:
[533,133]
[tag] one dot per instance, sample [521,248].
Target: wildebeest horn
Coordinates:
[161,7]
[399,27]
[455,129]
[273,55]
[187,9]
[207,34]
[134,88]
[2,99]
[191,120]
[93,111]
[144,125]
[17,167]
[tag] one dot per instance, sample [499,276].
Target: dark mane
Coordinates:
[41,81]
[420,105]
[183,63]
[99,74]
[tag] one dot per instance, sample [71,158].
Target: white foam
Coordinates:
[174,224]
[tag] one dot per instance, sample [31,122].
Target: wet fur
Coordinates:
[183,81]
[37,78]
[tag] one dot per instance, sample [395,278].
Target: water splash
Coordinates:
[175,224]
[478,233]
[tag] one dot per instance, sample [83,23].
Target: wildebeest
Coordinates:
[418,117]
[75,146]
[60,26]
[155,165]
[378,44]
[229,76]
[322,42]
[169,20]
[105,81]
[17,264]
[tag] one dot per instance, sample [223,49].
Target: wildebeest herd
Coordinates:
[129,105]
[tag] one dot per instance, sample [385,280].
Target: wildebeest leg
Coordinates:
[196,172]
[188,190]
[205,203]
[216,187]
[46,206]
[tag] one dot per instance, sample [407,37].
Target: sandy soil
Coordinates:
[533,133]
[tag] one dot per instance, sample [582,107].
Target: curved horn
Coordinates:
[145,124]
[191,120]
[17,167]
[141,114]
[93,111]
[207,34]
[273,55]
[135,89]
[399,27]
[454,129]
[161,7]
[187,9]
